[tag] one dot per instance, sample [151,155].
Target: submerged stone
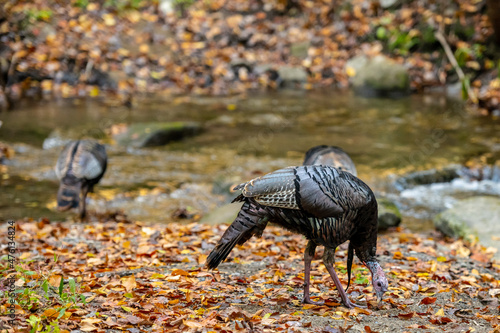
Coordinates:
[156,134]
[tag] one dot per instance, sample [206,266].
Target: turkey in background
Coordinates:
[80,166]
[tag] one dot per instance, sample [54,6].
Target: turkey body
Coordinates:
[81,165]
[326,205]
[332,156]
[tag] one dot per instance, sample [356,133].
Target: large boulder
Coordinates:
[388,214]
[155,134]
[378,77]
[477,216]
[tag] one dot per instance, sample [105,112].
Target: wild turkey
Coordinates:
[326,205]
[80,166]
[330,155]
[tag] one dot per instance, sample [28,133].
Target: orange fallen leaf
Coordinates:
[51,313]
[406,315]
[129,282]
[428,300]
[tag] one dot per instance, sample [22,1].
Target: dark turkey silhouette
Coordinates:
[326,205]
[332,156]
[80,166]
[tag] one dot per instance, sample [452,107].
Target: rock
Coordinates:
[155,134]
[427,177]
[388,214]
[389,3]
[223,214]
[300,49]
[290,76]
[454,90]
[473,216]
[378,77]
[167,6]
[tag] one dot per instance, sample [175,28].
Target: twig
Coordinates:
[440,37]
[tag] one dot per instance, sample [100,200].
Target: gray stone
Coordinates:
[454,90]
[166,6]
[476,216]
[378,77]
[291,75]
[389,3]
[156,134]
[388,214]
[222,215]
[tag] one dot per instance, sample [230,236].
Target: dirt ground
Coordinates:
[139,277]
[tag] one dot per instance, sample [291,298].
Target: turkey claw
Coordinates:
[308,301]
[352,305]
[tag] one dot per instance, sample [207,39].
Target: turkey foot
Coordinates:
[307,300]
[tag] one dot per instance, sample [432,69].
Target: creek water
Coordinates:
[242,137]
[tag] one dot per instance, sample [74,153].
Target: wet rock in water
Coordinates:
[388,214]
[156,134]
[290,76]
[379,76]
[473,216]
[223,214]
[427,177]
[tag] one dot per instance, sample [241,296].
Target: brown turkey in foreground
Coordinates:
[327,206]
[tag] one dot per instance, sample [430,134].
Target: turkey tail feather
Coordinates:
[242,229]
[68,195]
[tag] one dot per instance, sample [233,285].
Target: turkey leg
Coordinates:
[329,261]
[83,210]
[308,257]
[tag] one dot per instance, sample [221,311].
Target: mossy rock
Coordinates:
[388,214]
[156,134]
[476,216]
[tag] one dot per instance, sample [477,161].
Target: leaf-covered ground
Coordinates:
[82,47]
[138,277]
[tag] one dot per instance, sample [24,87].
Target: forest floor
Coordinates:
[118,275]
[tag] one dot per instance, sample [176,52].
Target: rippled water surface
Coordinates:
[242,137]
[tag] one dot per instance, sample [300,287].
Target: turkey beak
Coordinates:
[380,295]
